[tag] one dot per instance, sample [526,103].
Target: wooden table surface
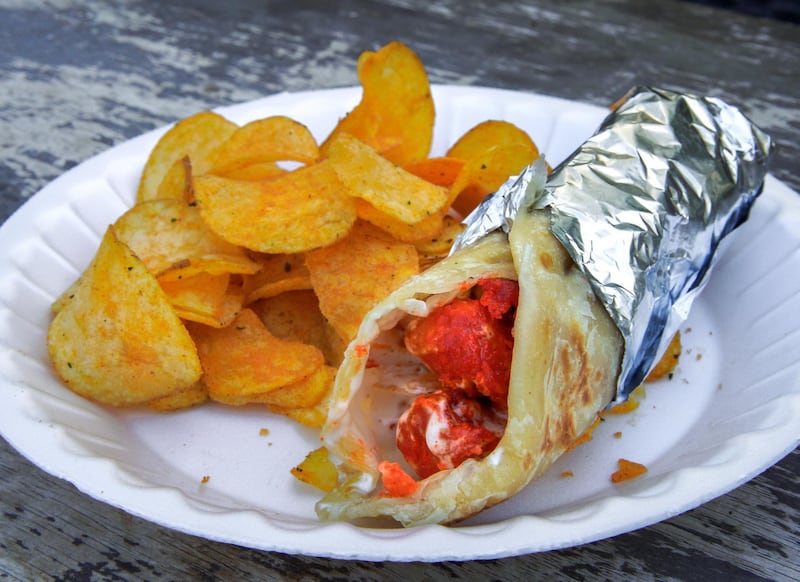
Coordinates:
[78,77]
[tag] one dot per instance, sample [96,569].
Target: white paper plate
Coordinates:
[731,410]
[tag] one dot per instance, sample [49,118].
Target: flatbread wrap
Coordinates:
[565,356]
[471,379]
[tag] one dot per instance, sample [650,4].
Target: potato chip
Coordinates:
[192,396]
[295,315]
[485,173]
[197,137]
[255,172]
[396,112]
[232,305]
[118,340]
[278,274]
[177,182]
[200,297]
[65,297]
[441,171]
[244,359]
[307,208]
[384,185]
[352,275]
[669,360]
[271,139]
[311,416]
[434,249]
[428,228]
[317,470]
[170,235]
[488,135]
[304,394]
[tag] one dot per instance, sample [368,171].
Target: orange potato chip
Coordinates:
[441,171]
[192,396]
[170,235]
[199,297]
[307,208]
[311,416]
[485,173]
[304,394]
[627,470]
[396,112]
[666,365]
[278,274]
[384,185]
[197,137]
[244,359]
[317,470]
[65,297]
[118,340]
[271,139]
[352,275]
[428,228]
[232,305]
[177,182]
[255,172]
[434,249]
[295,315]
[489,134]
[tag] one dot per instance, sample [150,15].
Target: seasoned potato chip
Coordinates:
[385,186]
[669,360]
[271,139]
[170,235]
[441,171]
[244,359]
[396,112]
[436,248]
[303,394]
[231,307]
[312,416]
[177,182]
[488,135]
[307,208]
[352,275]
[197,137]
[255,172]
[200,297]
[65,297]
[485,173]
[425,229]
[193,396]
[492,152]
[278,274]
[317,470]
[295,315]
[118,341]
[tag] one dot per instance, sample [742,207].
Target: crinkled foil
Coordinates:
[642,207]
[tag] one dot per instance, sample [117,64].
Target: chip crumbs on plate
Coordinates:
[627,470]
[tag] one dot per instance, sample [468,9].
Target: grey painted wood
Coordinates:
[79,77]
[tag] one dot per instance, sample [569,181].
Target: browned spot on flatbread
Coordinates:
[576,392]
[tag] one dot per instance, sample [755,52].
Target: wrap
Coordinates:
[608,254]
[566,357]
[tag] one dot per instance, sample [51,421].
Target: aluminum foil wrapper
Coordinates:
[642,207]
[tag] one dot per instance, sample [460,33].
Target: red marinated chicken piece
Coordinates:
[499,296]
[441,430]
[467,343]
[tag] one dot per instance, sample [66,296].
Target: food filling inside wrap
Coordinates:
[468,381]
[465,346]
